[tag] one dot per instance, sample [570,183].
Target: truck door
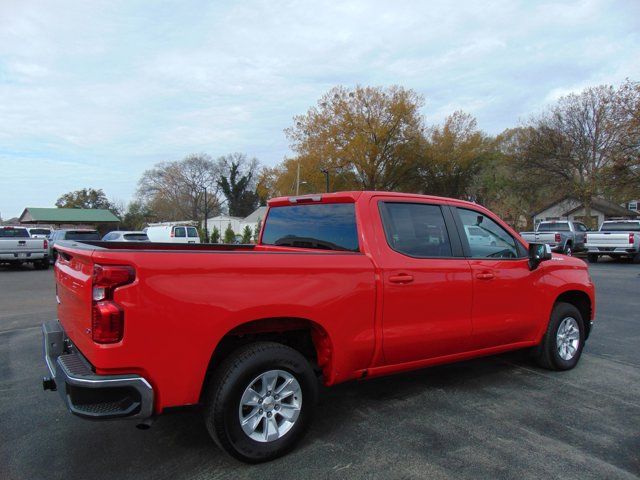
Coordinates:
[506,300]
[427,285]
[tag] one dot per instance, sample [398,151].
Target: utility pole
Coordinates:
[326,177]
[206,216]
[298,180]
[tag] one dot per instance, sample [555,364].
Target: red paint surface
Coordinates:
[184,300]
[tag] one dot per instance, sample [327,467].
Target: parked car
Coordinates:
[563,236]
[78,234]
[39,232]
[172,234]
[340,286]
[17,247]
[617,239]
[125,236]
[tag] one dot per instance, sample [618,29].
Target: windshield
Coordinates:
[80,235]
[553,227]
[329,226]
[14,233]
[620,227]
[39,231]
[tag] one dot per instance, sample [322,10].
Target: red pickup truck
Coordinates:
[341,286]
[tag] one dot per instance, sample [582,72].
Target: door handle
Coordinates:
[485,276]
[402,278]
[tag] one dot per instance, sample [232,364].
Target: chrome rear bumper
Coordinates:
[85,393]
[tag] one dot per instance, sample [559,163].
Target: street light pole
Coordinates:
[326,177]
[206,216]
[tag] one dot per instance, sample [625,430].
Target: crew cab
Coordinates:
[340,286]
[562,236]
[617,239]
[17,247]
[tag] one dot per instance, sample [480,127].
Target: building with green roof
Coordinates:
[68,216]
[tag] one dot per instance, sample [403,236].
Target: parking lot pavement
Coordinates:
[498,417]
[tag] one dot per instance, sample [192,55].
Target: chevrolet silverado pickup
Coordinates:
[17,247]
[563,236]
[616,239]
[340,286]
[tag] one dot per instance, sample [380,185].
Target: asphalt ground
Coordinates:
[496,417]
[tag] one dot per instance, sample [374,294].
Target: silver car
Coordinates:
[125,236]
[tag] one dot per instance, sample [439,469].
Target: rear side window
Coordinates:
[80,236]
[14,233]
[179,232]
[192,232]
[620,227]
[416,229]
[328,226]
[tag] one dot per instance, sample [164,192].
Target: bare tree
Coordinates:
[176,190]
[582,140]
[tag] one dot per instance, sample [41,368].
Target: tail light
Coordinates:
[107,317]
[46,244]
[631,238]
[173,232]
[558,239]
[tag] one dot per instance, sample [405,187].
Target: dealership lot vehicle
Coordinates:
[322,265]
[563,236]
[17,247]
[494,417]
[172,234]
[616,239]
[39,232]
[81,234]
[125,236]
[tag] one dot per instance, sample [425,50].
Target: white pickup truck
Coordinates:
[562,235]
[617,239]
[17,247]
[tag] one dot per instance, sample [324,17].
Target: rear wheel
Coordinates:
[592,257]
[260,401]
[42,264]
[636,258]
[561,346]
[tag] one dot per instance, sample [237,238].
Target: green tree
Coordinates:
[451,157]
[229,235]
[238,184]
[247,234]
[137,216]
[215,235]
[256,230]
[86,198]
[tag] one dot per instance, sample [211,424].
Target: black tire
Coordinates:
[636,258]
[42,264]
[568,250]
[592,257]
[546,354]
[228,383]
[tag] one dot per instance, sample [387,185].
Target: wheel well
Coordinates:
[303,335]
[582,302]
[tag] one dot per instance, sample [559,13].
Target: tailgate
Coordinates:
[606,239]
[73,272]
[12,245]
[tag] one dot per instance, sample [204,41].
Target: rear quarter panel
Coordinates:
[183,303]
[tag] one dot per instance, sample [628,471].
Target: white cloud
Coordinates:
[99,91]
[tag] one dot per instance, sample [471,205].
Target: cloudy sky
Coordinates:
[93,93]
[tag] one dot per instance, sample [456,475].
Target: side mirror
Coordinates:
[538,252]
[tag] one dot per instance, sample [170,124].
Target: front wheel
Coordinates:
[567,250]
[561,346]
[260,401]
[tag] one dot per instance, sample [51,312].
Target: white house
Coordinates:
[569,208]
[221,222]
